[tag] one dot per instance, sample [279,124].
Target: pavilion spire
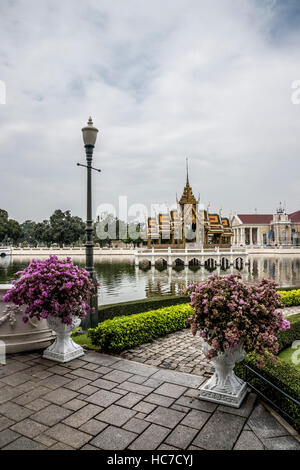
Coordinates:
[187,170]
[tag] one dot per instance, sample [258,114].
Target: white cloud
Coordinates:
[162,80]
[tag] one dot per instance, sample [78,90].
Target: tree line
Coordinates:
[60,229]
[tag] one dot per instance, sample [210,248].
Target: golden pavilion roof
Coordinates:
[188,196]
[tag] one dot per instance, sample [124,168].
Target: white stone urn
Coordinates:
[63,349]
[224,386]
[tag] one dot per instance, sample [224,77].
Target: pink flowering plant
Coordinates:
[52,287]
[228,312]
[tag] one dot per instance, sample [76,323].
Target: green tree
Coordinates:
[66,229]
[28,228]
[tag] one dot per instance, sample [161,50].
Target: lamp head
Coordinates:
[89,133]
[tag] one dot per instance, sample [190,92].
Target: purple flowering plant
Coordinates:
[52,287]
[228,312]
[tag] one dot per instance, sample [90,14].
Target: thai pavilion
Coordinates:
[189,225]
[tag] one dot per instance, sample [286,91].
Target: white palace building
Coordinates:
[279,229]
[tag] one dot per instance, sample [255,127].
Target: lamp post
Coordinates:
[89,134]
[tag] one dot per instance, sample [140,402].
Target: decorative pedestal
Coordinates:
[224,386]
[63,349]
[17,336]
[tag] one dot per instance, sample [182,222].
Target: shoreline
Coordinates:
[80,251]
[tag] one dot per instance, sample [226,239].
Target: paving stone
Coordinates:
[181,437]
[5,422]
[103,398]
[153,383]
[144,407]
[11,368]
[45,440]
[141,416]
[196,419]
[263,424]
[55,381]
[29,428]
[88,447]
[117,376]
[130,400]
[23,443]
[88,390]
[101,359]
[90,366]
[115,415]
[194,448]
[26,386]
[120,391]
[75,404]
[60,396]
[42,374]
[51,415]
[7,436]
[137,379]
[136,425]
[135,368]
[102,383]
[165,417]
[244,410]
[177,378]
[282,443]
[170,390]
[159,399]
[60,370]
[16,379]
[248,441]
[13,411]
[166,447]
[93,427]
[8,393]
[103,370]
[113,438]
[70,436]
[81,416]
[151,438]
[137,388]
[77,384]
[86,374]
[196,404]
[60,446]
[75,364]
[32,395]
[215,434]
[184,409]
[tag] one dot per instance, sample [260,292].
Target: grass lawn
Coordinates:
[85,340]
[287,354]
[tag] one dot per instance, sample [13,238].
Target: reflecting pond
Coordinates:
[121,280]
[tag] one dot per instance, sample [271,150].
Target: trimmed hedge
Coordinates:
[290,298]
[139,306]
[285,376]
[129,331]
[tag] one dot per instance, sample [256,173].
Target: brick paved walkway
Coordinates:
[104,402]
[179,351]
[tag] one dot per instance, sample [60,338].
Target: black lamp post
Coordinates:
[89,134]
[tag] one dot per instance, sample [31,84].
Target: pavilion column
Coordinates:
[250,236]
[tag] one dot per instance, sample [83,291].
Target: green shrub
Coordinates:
[129,331]
[139,306]
[281,374]
[291,297]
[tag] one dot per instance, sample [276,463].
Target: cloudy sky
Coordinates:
[207,79]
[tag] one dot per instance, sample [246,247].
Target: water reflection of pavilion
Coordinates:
[284,270]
